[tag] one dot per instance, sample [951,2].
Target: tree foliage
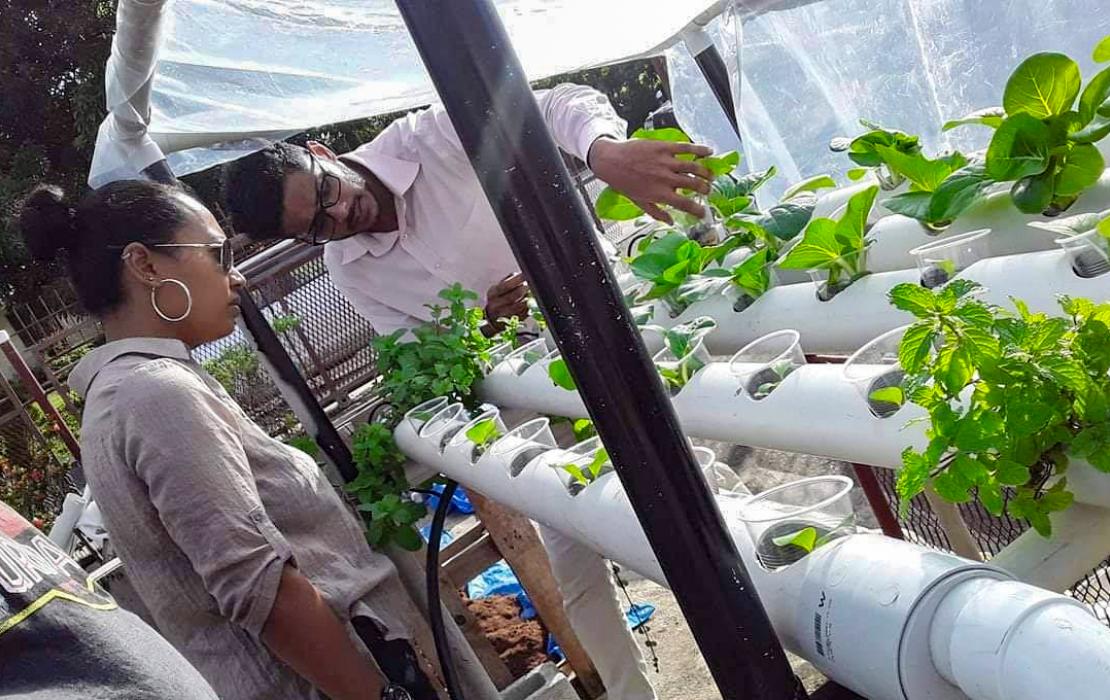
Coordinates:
[52,55]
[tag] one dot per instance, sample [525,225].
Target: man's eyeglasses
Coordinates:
[329,188]
[225,253]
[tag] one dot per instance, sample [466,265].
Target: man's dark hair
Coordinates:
[254,189]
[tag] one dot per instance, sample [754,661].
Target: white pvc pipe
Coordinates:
[1001,640]
[813,411]
[863,311]
[1079,536]
[862,609]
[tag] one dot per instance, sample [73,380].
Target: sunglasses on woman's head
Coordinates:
[224,252]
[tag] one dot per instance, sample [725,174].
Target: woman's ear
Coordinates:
[140,264]
[321,151]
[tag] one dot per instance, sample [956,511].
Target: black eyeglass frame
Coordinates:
[322,228]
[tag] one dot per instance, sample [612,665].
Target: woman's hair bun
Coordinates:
[48,223]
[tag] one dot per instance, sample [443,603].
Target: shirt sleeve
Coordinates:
[575,114]
[185,443]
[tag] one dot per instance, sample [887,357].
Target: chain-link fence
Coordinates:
[991,534]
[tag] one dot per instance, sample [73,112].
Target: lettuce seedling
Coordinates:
[839,248]
[589,473]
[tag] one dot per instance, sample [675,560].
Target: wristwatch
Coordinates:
[395,692]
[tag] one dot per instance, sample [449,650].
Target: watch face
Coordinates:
[396,692]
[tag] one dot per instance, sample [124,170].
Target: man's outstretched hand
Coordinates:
[648,173]
[506,299]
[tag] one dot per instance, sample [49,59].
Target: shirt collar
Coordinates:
[82,376]
[397,175]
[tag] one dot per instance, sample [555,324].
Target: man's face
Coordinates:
[328,202]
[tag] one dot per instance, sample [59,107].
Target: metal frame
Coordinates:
[477,74]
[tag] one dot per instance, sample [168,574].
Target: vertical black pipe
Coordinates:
[716,74]
[318,426]
[481,82]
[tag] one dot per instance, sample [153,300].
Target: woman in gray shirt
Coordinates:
[250,563]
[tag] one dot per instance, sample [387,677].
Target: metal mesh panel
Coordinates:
[991,534]
[35,467]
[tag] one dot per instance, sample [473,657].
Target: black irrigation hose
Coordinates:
[435,608]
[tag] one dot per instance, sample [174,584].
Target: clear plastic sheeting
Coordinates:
[810,73]
[234,69]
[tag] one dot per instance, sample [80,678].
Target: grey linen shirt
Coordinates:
[205,510]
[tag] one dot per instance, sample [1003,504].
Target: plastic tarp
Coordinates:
[811,73]
[229,70]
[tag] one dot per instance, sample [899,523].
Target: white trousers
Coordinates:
[594,611]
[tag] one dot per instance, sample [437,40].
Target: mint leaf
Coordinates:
[917,343]
[913,298]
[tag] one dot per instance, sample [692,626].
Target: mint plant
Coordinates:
[1044,140]
[838,248]
[444,357]
[1011,396]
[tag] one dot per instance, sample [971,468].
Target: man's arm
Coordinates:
[583,123]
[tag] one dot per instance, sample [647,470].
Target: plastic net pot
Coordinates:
[419,414]
[478,435]
[676,372]
[939,261]
[1089,253]
[761,365]
[576,459]
[875,368]
[844,266]
[441,427]
[524,443]
[788,522]
[497,355]
[527,355]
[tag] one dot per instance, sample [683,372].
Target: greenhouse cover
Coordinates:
[215,78]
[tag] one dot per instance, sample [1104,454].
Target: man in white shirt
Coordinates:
[405,216]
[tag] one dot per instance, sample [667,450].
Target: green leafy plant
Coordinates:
[1044,140]
[925,176]
[734,194]
[774,376]
[614,206]
[285,323]
[773,228]
[810,184]
[589,473]
[671,264]
[837,247]
[235,366]
[305,444]
[444,357]
[1010,397]
[682,341]
[875,150]
[483,434]
[752,277]
[560,375]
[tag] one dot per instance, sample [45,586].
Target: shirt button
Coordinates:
[256,517]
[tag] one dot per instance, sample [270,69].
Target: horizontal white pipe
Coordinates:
[861,609]
[813,411]
[863,311]
[1001,640]
[1080,536]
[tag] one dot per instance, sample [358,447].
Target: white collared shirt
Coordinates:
[447,231]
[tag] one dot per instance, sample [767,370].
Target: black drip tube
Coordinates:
[435,608]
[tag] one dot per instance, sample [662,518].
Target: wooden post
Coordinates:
[948,515]
[518,542]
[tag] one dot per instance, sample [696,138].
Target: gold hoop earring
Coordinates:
[154,300]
